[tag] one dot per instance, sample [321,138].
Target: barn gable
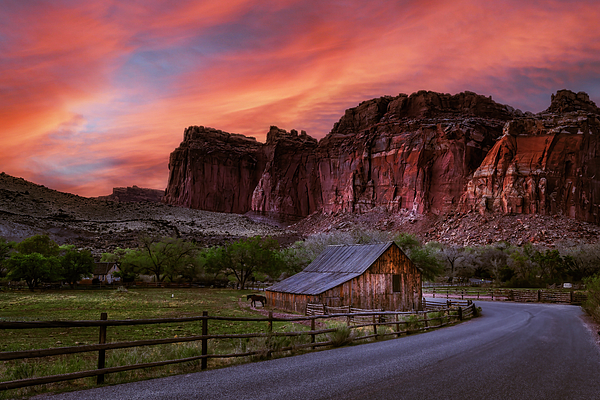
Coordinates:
[364,276]
[334,266]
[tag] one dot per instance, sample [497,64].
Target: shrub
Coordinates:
[592,304]
[341,336]
[412,323]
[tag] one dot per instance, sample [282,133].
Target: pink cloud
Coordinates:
[96,95]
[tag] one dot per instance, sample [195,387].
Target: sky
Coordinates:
[97,94]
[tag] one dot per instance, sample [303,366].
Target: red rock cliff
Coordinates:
[427,152]
[544,164]
[409,152]
[289,183]
[214,170]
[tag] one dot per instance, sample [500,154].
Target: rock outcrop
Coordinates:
[290,182]
[544,164]
[425,153]
[215,170]
[134,194]
[410,152]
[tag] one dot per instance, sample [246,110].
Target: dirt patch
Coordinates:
[593,327]
[277,314]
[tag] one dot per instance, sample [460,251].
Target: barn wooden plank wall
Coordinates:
[371,290]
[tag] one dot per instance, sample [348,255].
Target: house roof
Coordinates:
[334,266]
[102,268]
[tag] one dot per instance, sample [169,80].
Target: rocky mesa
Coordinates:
[427,153]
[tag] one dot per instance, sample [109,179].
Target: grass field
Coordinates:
[132,304]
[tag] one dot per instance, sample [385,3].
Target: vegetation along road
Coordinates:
[514,351]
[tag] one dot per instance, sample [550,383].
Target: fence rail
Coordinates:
[518,295]
[411,322]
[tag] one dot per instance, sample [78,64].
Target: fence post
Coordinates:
[270,330]
[312,335]
[349,318]
[375,326]
[397,326]
[205,340]
[102,353]
[460,315]
[270,327]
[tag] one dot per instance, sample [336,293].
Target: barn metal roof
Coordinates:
[334,266]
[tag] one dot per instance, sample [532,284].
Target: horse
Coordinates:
[255,298]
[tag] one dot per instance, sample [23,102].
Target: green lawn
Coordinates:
[133,304]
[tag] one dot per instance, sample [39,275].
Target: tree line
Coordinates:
[39,259]
[176,260]
[501,263]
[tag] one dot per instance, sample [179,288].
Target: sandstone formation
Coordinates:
[290,182]
[134,194]
[424,153]
[544,164]
[410,152]
[215,170]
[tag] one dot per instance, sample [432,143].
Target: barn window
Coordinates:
[396,283]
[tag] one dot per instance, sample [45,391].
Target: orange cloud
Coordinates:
[97,95]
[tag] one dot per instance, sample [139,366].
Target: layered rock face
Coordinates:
[410,152]
[289,183]
[544,164]
[427,152]
[215,170]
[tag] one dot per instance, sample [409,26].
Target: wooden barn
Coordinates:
[373,276]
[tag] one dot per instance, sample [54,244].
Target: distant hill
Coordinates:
[27,209]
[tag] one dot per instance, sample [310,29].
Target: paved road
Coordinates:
[514,351]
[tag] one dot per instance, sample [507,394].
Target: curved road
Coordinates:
[514,351]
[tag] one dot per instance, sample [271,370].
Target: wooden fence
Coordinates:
[518,295]
[410,323]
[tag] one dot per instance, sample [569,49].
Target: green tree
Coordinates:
[592,304]
[115,256]
[427,261]
[552,265]
[525,268]
[426,258]
[5,249]
[128,272]
[41,244]
[167,257]
[407,242]
[245,257]
[76,264]
[33,268]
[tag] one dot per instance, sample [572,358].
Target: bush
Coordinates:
[592,304]
[412,323]
[341,336]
